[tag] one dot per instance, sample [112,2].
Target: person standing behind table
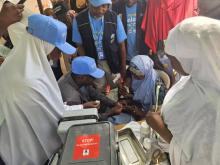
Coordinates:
[54,62]
[99,33]
[60,10]
[62,14]
[31,104]
[131,12]
[9,14]
[165,61]
[190,117]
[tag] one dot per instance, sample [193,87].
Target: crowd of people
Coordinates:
[77,53]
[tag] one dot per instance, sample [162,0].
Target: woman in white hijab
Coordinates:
[31,103]
[191,111]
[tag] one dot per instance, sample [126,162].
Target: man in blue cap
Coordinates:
[76,88]
[99,33]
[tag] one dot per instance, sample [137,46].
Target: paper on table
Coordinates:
[135,127]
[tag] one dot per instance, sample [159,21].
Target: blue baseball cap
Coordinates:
[85,65]
[97,3]
[48,29]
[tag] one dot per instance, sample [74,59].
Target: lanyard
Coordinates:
[99,33]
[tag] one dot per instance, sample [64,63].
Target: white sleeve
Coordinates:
[73,107]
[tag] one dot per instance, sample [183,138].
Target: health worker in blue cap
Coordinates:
[99,33]
[31,104]
[77,88]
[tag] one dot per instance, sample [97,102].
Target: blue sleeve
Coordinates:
[121,35]
[76,35]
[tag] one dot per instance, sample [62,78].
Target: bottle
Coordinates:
[144,131]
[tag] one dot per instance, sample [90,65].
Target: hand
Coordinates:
[91,104]
[131,109]
[123,75]
[123,90]
[135,111]
[125,102]
[11,13]
[71,13]
[153,119]
[116,110]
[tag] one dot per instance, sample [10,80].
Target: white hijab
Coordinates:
[191,108]
[30,103]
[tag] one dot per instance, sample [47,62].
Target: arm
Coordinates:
[96,95]
[155,121]
[121,37]
[123,59]
[10,14]
[116,110]
[77,38]
[134,108]
[65,66]
[69,93]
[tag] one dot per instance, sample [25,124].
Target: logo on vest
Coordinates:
[112,38]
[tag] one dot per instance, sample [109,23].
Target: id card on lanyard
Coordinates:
[98,36]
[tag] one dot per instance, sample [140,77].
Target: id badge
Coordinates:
[101,55]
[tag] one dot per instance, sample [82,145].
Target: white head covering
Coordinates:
[191,108]
[196,46]
[30,101]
